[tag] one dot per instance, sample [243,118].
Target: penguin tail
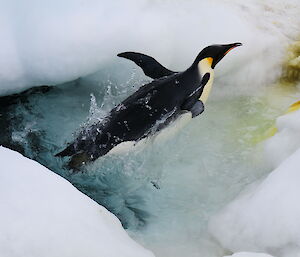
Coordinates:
[68,151]
[77,160]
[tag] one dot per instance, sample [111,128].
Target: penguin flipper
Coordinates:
[149,65]
[197,108]
[193,105]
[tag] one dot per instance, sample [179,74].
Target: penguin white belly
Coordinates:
[123,147]
[161,136]
[174,127]
[207,89]
[204,67]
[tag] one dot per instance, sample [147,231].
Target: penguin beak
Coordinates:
[232,46]
[223,50]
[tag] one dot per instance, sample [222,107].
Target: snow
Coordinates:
[286,141]
[44,215]
[265,217]
[51,42]
[246,254]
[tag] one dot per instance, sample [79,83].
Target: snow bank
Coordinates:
[244,254]
[265,217]
[286,141]
[44,215]
[50,42]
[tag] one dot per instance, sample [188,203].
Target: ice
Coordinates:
[265,217]
[286,141]
[245,254]
[44,215]
[44,42]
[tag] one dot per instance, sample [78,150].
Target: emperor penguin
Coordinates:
[152,107]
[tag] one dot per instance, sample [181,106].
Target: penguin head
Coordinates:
[214,53]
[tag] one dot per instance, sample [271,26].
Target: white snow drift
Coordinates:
[247,254]
[43,215]
[286,141]
[50,42]
[264,218]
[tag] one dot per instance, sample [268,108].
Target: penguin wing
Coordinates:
[149,65]
[193,102]
[193,105]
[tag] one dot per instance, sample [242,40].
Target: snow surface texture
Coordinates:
[265,217]
[52,218]
[286,141]
[50,42]
[244,254]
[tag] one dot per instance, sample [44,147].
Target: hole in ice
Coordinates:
[164,192]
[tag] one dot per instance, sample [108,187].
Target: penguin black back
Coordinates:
[152,107]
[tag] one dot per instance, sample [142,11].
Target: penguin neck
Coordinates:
[204,66]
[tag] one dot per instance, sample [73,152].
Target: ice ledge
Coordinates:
[43,215]
[265,217]
[247,254]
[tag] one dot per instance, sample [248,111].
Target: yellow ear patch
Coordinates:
[209,60]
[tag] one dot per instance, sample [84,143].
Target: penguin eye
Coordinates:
[205,78]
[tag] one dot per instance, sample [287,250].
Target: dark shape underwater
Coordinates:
[169,95]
